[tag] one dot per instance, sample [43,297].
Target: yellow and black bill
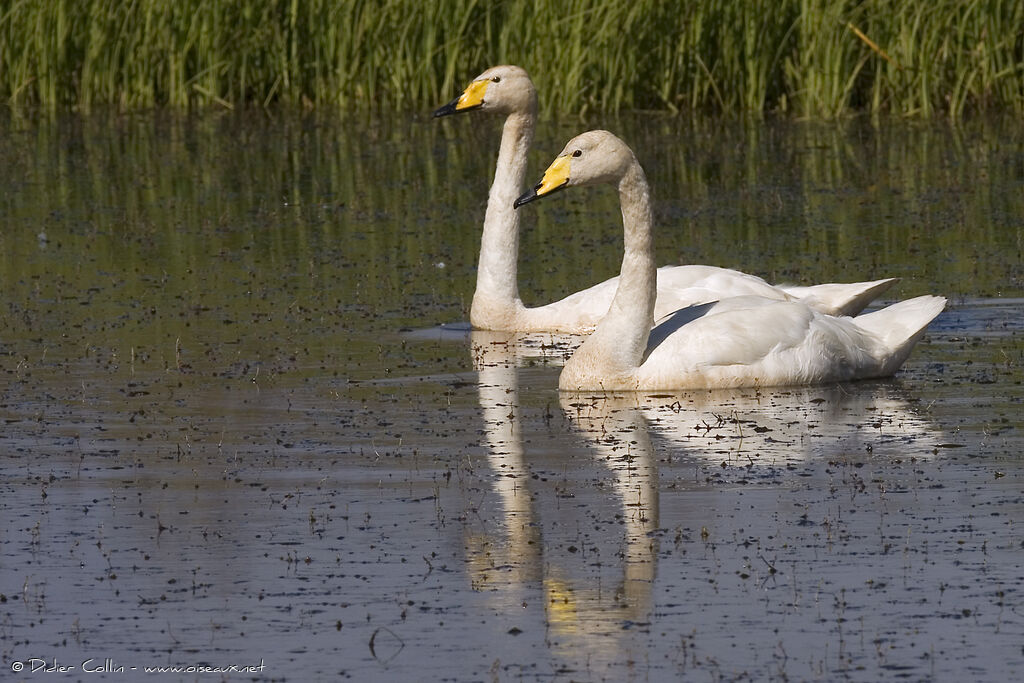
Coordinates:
[555,179]
[471,98]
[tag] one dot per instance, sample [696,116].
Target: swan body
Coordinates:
[739,341]
[508,90]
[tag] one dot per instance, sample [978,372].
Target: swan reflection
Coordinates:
[588,557]
[787,425]
[496,355]
[618,437]
[571,518]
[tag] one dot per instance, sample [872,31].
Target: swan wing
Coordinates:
[577,313]
[679,287]
[901,326]
[749,341]
[840,298]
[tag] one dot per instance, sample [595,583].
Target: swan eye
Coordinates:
[577,153]
[496,79]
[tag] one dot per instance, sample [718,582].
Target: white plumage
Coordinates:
[732,342]
[508,90]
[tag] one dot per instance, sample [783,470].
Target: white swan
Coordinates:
[734,342]
[496,304]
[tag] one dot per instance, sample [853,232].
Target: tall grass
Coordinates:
[810,58]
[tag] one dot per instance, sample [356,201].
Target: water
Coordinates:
[233,435]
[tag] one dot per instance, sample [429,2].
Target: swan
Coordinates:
[508,90]
[733,342]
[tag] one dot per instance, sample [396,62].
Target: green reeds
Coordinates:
[811,58]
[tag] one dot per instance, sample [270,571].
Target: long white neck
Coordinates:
[617,346]
[497,292]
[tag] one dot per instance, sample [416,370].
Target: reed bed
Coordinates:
[808,58]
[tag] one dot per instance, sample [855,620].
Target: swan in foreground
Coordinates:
[734,342]
[496,304]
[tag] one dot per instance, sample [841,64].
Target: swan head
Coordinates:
[590,158]
[502,89]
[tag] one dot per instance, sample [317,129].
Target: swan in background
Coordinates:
[734,342]
[496,304]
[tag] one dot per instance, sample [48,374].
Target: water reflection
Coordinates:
[584,615]
[357,215]
[783,426]
[618,437]
[183,353]
[498,388]
[600,595]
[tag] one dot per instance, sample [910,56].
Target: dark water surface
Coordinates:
[226,439]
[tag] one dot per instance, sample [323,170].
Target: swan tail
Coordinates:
[900,326]
[841,298]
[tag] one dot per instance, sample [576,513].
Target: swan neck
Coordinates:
[510,172]
[496,282]
[638,224]
[616,348]
[637,293]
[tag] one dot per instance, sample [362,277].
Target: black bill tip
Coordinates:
[526,198]
[532,196]
[453,108]
[447,109]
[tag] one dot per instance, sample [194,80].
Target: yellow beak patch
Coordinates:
[473,96]
[555,177]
